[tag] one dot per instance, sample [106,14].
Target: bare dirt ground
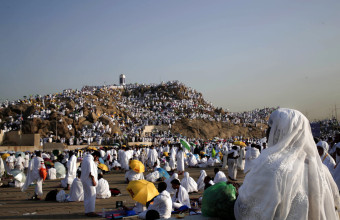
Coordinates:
[14,204]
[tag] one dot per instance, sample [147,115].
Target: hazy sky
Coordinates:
[240,54]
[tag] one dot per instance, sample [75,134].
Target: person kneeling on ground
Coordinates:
[161,203]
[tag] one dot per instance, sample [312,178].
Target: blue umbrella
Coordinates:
[101,160]
[163,173]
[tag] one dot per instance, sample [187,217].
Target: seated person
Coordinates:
[76,190]
[132,175]
[103,189]
[181,197]
[161,203]
[52,173]
[208,182]
[219,176]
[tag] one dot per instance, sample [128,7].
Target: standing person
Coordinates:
[20,163]
[180,161]
[172,162]
[289,180]
[71,171]
[225,156]
[232,163]
[27,160]
[152,157]
[10,160]
[33,175]
[89,180]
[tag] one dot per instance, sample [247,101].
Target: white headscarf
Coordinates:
[200,181]
[288,180]
[189,183]
[168,183]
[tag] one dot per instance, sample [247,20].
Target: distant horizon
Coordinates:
[239,55]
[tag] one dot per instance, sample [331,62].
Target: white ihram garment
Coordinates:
[168,183]
[33,175]
[181,199]
[200,181]
[71,171]
[220,177]
[189,183]
[326,158]
[103,189]
[288,180]
[162,204]
[88,166]
[76,191]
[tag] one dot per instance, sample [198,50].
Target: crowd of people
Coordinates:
[295,175]
[105,114]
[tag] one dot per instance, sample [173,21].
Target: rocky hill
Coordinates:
[110,110]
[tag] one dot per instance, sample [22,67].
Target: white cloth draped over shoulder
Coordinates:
[288,180]
[189,183]
[200,181]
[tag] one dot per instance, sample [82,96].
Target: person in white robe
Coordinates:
[20,163]
[103,188]
[325,157]
[125,157]
[225,156]
[288,180]
[161,203]
[219,176]
[251,154]
[180,161]
[241,159]
[27,159]
[89,180]
[189,183]
[192,161]
[71,171]
[167,167]
[76,190]
[153,176]
[152,157]
[232,163]
[10,161]
[203,162]
[168,183]
[200,181]
[52,173]
[211,162]
[181,197]
[172,162]
[131,175]
[33,175]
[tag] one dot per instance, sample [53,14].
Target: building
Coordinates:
[122,80]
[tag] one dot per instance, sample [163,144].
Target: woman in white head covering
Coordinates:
[288,180]
[200,181]
[168,183]
[325,157]
[189,183]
